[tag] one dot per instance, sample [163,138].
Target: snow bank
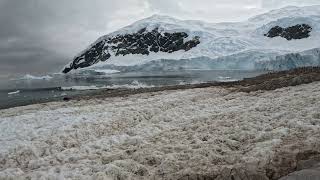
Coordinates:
[208,132]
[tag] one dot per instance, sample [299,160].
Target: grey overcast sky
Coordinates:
[38,36]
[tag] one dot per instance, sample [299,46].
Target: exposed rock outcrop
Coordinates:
[143,42]
[299,31]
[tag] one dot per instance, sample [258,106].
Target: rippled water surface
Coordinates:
[29,89]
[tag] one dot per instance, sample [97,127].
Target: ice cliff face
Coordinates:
[291,61]
[251,44]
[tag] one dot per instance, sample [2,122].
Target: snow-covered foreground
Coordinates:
[209,132]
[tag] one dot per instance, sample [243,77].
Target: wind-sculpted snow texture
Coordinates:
[298,31]
[210,133]
[142,42]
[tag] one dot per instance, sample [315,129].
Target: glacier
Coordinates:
[249,60]
[233,45]
[291,61]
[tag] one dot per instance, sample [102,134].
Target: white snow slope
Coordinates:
[225,39]
[161,135]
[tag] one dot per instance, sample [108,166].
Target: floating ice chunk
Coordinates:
[15,92]
[106,71]
[31,77]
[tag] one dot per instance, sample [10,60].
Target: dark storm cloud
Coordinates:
[23,42]
[37,35]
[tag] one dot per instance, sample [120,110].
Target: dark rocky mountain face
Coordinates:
[143,42]
[299,31]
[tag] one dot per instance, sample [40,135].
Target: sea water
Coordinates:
[30,89]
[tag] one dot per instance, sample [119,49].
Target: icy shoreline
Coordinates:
[195,133]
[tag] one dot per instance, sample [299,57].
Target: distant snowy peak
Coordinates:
[291,29]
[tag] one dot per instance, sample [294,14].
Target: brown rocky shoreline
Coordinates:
[269,81]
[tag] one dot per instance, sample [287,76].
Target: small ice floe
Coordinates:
[190,83]
[225,79]
[13,93]
[106,71]
[222,77]
[31,77]
[134,85]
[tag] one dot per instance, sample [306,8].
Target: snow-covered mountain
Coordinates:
[256,43]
